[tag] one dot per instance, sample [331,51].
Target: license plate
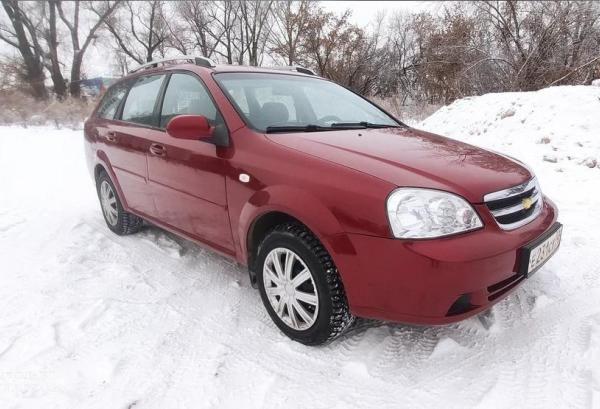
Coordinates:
[535,254]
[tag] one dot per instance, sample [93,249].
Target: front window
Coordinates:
[185,95]
[274,102]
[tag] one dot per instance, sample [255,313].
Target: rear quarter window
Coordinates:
[111,100]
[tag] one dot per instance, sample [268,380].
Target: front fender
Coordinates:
[301,205]
[313,213]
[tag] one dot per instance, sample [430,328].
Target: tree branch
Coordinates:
[575,70]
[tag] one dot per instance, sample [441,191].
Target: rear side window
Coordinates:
[139,106]
[186,95]
[112,99]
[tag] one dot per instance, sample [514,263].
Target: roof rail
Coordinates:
[296,68]
[198,60]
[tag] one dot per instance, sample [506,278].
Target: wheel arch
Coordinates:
[98,169]
[259,228]
[276,205]
[102,164]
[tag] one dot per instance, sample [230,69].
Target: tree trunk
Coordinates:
[36,78]
[79,50]
[34,70]
[60,87]
[75,85]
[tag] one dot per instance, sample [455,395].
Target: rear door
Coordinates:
[107,119]
[132,138]
[187,177]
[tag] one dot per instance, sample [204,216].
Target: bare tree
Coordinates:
[401,57]
[465,48]
[255,26]
[79,47]
[579,36]
[54,65]
[140,29]
[343,51]
[40,21]
[225,15]
[541,42]
[292,20]
[121,62]
[478,47]
[23,35]
[198,28]
[324,31]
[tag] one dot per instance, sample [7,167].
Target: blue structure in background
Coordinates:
[93,87]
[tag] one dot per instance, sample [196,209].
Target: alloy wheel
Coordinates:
[290,289]
[108,201]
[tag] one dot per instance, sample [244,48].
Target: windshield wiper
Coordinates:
[333,127]
[298,128]
[362,124]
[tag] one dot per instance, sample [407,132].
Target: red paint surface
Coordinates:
[194,127]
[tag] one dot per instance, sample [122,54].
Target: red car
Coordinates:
[338,209]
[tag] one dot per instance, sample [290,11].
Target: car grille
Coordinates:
[515,206]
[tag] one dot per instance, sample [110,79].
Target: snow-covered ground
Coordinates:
[92,320]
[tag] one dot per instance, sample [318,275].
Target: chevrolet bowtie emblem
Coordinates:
[527,203]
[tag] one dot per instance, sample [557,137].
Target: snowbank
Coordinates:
[559,123]
[92,320]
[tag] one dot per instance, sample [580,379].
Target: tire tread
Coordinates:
[127,223]
[341,319]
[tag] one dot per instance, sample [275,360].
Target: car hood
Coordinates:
[410,157]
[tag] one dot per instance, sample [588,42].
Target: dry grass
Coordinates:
[21,109]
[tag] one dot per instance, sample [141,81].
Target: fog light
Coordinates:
[460,306]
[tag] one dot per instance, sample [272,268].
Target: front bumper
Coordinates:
[441,280]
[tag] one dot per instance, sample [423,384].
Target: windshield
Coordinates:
[279,102]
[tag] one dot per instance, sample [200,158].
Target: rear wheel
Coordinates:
[118,220]
[300,286]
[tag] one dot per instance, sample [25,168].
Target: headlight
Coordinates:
[426,213]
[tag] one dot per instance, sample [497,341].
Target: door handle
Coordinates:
[111,136]
[157,149]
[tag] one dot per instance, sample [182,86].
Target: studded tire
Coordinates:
[126,223]
[333,317]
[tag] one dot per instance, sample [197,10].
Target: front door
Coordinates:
[187,177]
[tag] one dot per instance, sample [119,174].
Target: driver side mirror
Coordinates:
[194,127]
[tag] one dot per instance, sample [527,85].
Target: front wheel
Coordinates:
[300,286]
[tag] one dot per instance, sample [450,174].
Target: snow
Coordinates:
[93,320]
